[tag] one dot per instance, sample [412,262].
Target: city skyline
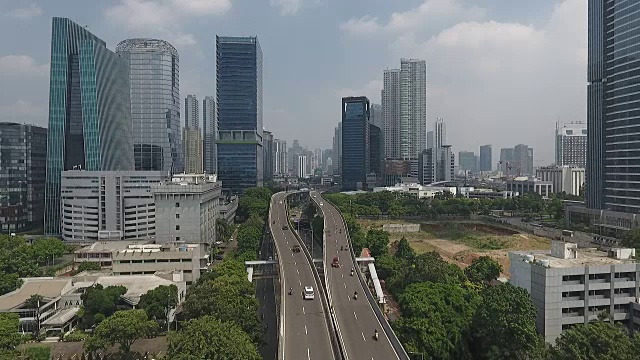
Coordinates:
[535,29]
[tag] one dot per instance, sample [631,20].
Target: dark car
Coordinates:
[285,227]
[296,248]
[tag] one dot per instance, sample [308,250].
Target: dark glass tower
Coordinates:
[355,142]
[376,150]
[239,101]
[154,75]
[89,111]
[485,158]
[613,106]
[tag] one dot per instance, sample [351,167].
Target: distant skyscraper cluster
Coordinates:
[517,160]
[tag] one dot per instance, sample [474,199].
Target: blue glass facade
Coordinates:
[613,112]
[355,142]
[239,112]
[89,111]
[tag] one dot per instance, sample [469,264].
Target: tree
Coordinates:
[16,257]
[483,270]
[99,303]
[9,282]
[228,297]
[33,302]
[9,335]
[88,266]
[404,250]
[210,338]
[435,319]
[378,242]
[504,324]
[594,341]
[223,230]
[159,301]
[47,249]
[425,267]
[631,239]
[124,328]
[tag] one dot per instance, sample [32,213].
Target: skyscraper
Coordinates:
[439,133]
[506,159]
[377,118]
[209,132]
[192,137]
[89,111]
[404,103]
[337,150]
[571,144]
[523,158]
[302,166]
[23,160]
[376,150]
[155,104]
[391,113]
[485,158]
[268,148]
[468,161]
[355,145]
[239,100]
[281,167]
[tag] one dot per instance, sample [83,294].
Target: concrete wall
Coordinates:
[401,228]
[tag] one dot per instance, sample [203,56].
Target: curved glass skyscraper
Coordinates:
[155,103]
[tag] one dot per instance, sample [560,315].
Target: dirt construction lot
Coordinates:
[461,242]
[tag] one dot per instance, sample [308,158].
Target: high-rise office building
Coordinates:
[439,133]
[404,106]
[302,166]
[506,158]
[430,139]
[23,160]
[612,106]
[209,132]
[355,145]
[239,100]
[89,111]
[377,118]
[468,161]
[269,152]
[523,158]
[571,144]
[376,150]
[280,157]
[337,150]
[485,158]
[192,138]
[154,75]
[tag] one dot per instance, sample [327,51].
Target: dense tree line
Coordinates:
[253,208]
[18,259]
[400,204]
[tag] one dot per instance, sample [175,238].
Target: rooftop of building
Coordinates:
[567,255]
[141,246]
[102,246]
[47,287]
[137,285]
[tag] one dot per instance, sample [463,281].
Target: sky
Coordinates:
[499,72]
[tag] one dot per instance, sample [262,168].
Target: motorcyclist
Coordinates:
[351,272]
[290,291]
[355,295]
[375,334]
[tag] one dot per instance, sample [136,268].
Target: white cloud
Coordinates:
[287,7]
[429,15]
[26,13]
[163,17]
[22,65]
[370,89]
[22,108]
[502,83]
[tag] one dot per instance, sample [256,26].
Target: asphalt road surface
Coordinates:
[356,319]
[305,332]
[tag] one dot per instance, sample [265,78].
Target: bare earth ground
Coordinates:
[458,248]
[66,350]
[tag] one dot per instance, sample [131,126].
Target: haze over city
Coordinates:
[499,72]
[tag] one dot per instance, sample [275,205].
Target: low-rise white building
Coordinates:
[525,184]
[417,190]
[565,179]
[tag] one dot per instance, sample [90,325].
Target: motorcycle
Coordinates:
[351,272]
[375,335]
[290,291]
[355,295]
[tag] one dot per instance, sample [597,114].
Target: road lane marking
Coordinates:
[308,354]
[356,316]
[345,285]
[364,338]
[300,282]
[297,271]
[305,330]
[304,312]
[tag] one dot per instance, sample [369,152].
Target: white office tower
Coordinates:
[280,166]
[404,108]
[571,144]
[209,130]
[302,166]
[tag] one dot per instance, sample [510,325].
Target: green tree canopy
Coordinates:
[157,302]
[124,328]
[210,338]
[9,335]
[404,250]
[378,242]
[33,301]
[504,324]
[435,319]
[16,257]
[595,341]
[88,266]
[9,282]
[631,239]
[100,302]
[483,270]
[45,250]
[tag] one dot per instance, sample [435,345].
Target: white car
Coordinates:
[307,294]
[321,204]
